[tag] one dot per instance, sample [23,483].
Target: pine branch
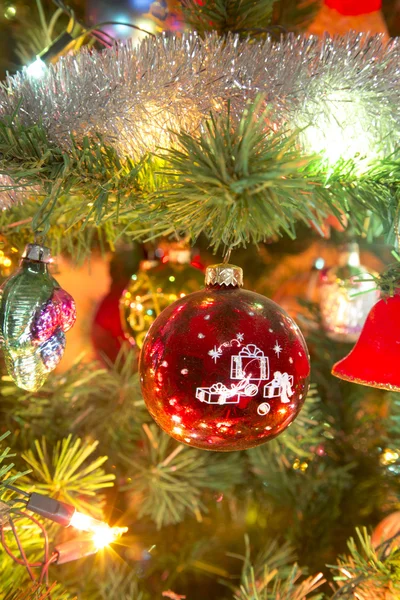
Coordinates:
[112,410]
[272,578]
[37,591]
[367,572]
[168,478]
[5,468]
[235,183]
[239,184]
[295,15]
[226,16]
[297,442]
[67,473]
[93,172]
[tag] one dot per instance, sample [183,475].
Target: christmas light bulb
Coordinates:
[36,69]
[103,534]
[84,522]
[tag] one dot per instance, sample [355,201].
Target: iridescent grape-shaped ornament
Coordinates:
[34,314]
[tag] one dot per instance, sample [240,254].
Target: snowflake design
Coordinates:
[277,349]
[215,353]
[240,337]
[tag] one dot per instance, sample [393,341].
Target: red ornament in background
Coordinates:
[224,368]
[354,7]
[387,529]
[375,359]
[106,332]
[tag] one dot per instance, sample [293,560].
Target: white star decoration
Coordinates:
[240,337]
[277,349]
[215,353]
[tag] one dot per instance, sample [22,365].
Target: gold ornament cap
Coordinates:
[224,274]
[37,253]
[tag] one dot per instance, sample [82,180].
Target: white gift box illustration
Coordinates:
[279,387]
[218,393]
[250,363]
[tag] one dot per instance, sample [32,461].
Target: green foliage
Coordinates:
[368,572]
[226,16]
[239,184]
[37,591]
[271,578]
[295,15]
[169,477]
[249,17]
[235,182]
[5,456]
[298,440]
[7,476]
[92,179]
[68,473]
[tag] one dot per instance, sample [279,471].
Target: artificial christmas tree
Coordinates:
[233,136]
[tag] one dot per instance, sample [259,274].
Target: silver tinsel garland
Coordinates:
[11,192]
[135,98]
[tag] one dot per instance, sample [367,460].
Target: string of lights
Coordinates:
[65,39]
[95,535]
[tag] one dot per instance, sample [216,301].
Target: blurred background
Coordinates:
[28,26]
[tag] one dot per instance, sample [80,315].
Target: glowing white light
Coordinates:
[340,130]
[319,263]
[84,522]
[36,69]
[103,534]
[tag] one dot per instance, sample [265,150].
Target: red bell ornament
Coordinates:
[224,368]
[375,359]
[354,7]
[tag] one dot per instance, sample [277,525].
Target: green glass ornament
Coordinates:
[34,314]
[154,288]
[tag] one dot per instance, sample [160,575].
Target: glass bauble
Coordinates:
[150,291]
[34,315]
[224,368]
[347,294]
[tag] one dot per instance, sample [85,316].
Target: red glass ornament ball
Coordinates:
[224,369]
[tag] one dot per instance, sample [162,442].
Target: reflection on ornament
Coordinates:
[211,376]
[347,294]
[34,314]
[375,359]
[154,288]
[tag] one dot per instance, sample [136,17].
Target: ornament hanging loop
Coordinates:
[227,255]
[39,237]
